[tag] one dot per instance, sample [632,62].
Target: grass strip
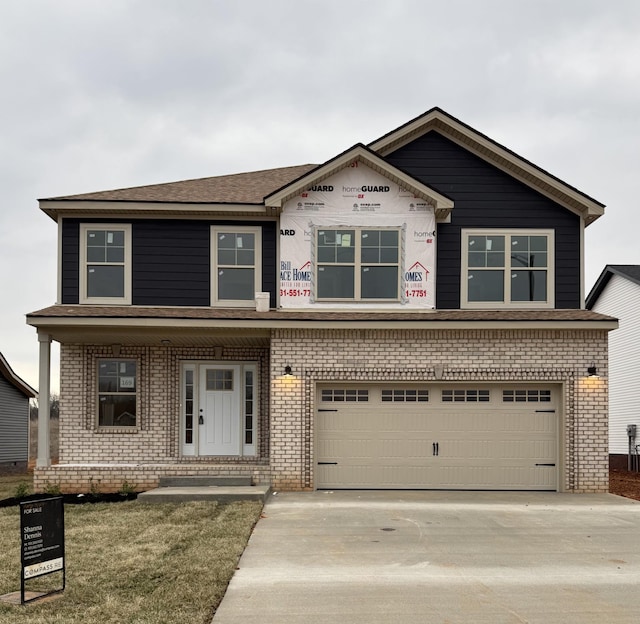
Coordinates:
[131,562]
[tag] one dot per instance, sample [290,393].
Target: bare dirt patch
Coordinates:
[624,483]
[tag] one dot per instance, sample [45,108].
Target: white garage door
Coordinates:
[437,437]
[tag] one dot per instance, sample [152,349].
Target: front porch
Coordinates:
[109,477]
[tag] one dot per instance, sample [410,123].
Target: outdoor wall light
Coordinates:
[592,371]
[287,371]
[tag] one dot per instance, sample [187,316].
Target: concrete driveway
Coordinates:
[446,557]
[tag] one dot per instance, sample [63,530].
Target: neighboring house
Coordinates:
[14,419]
[617,293]
[409,314]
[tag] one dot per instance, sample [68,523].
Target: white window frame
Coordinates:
[506,302]
[105,227]
[357,263]
[257,265]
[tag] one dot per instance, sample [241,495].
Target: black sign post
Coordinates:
[42,530]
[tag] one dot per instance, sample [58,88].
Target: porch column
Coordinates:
[44,452]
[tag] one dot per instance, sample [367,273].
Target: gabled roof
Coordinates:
[263,192]
[241,188]
[14,380]
[628,271]
[482,146]
[362,154]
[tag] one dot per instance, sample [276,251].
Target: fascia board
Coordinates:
[504,159]
[7,372]
[135,323]
[57,209]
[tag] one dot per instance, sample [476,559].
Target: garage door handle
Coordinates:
[327,410]
[436,449]
[327,463]
[546,411]
[545,464]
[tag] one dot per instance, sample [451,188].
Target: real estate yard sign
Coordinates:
[42,531]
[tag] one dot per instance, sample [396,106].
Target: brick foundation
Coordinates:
[105,478]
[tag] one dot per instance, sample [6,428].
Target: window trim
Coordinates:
[83,285]
[118,428]
[358,264]
[257,265]
[506,303]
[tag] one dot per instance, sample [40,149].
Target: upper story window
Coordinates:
[105,263]
[236,273]
[357,264]
[503,268]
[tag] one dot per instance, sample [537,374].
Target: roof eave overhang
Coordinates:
[22,386]
[524,171]
[57,209]
[53,325]
[359,153]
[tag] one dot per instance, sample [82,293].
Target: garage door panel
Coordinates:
[480,445]
[383,475]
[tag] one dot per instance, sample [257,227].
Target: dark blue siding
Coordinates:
[70,261]
[170,263]
[487,197]
[170,260]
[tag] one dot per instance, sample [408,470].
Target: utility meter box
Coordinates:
[631,431]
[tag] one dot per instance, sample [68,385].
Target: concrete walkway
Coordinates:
[445,557]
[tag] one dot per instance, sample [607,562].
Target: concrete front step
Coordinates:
[218,493]
[204,480]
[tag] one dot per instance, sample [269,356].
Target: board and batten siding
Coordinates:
[620,298]
[14,424]
[171,260]
[486,197]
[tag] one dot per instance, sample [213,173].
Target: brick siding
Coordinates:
[286,408]
[370,356]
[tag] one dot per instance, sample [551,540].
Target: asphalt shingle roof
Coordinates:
[629,271]
[204,313]
[240,188]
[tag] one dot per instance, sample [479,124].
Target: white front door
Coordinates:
[219,411]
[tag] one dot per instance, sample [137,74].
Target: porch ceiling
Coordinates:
[176,336]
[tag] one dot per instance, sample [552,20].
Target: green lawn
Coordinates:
[132,562]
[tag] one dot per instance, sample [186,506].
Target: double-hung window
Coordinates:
[117,390]
[357,264]
[236,265]
[105,263]
[507,268]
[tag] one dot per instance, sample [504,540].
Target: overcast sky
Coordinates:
[115,93]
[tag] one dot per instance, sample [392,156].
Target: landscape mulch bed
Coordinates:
[624,483]
[621,482]
[71,499]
